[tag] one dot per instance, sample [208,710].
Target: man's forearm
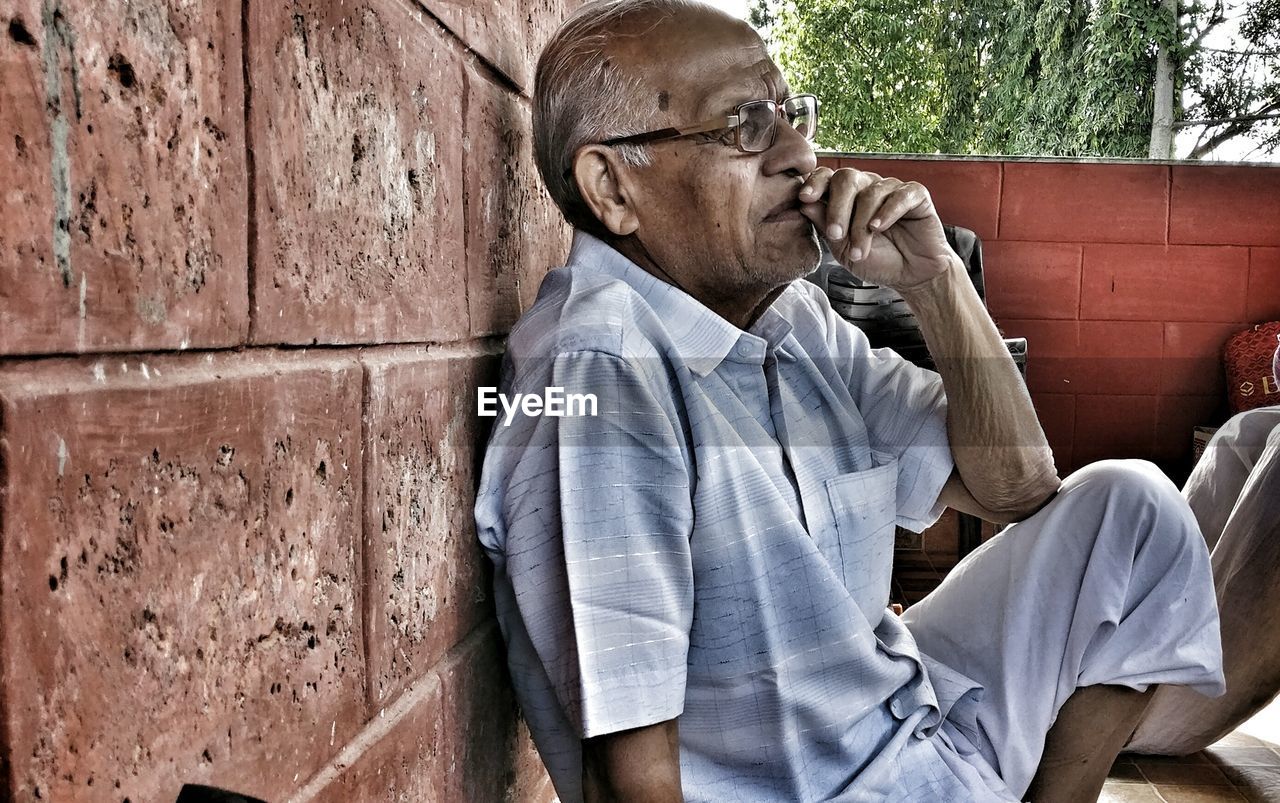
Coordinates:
[635,766]
[999,448]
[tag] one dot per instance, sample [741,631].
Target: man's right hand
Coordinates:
[882,229]
[641,765]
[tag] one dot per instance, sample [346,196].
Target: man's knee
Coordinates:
[1139,492]
[1139,480]
[1250,429]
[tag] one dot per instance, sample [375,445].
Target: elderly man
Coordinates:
[693,580]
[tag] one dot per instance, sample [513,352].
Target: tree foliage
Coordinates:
[1238,83]
[1061,77]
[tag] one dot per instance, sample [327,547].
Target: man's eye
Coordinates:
[724,135]
[751,128]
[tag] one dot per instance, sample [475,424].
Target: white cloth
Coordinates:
[1235,494]
[1236,483]
[1108,584]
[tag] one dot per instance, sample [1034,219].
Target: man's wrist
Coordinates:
[934,285]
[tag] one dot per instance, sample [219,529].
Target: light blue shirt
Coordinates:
[715,543]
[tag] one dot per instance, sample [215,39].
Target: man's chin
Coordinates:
[781,259]
[803,257]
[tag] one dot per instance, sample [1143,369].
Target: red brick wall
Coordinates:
[1126,279]
[226,557]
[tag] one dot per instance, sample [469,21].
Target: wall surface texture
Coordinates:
[1126,280]
[254,256]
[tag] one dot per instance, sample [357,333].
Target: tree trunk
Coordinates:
[1162,114]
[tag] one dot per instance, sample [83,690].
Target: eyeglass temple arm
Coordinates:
[674,133]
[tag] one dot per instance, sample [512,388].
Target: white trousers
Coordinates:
[1109,583]
[1235,494]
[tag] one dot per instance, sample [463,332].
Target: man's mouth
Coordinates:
[785,211]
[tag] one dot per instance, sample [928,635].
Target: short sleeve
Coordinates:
[598,517]
[905,411]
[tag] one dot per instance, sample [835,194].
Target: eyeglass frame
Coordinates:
[733,121]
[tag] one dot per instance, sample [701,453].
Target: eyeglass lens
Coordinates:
[757,119]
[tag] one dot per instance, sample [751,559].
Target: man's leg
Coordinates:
[1092,725]
[1235,493]
[1109,585]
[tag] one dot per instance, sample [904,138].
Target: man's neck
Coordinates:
[741,307]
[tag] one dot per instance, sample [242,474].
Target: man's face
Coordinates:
[722,222]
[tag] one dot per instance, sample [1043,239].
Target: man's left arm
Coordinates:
[887,231]
[1004,464]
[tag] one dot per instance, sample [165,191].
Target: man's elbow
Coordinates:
[1023,500]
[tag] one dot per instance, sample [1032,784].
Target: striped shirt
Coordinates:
[715,542]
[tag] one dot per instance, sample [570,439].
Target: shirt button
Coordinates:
[745,349]
[895,706]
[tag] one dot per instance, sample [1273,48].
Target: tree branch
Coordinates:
[1241,52]
[1215,19]
[1233,129]
[1244,118]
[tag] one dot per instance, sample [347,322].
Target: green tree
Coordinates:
[1235,91]
[1061,77]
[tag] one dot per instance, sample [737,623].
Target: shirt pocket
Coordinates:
[864,507]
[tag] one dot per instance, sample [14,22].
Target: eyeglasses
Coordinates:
[754,124]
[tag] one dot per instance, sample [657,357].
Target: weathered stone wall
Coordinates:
[254,256]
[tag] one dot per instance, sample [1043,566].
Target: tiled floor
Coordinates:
[1243,766]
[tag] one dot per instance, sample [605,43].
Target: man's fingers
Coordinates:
[815,185]
[870,207]
[845,188]
[905,198]
[817,214]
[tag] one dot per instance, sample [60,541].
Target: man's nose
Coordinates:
[790,152]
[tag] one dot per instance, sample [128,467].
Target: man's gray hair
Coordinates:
[581,95]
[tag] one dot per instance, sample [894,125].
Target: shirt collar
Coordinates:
[702,338]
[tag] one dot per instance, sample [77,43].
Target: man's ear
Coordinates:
[605,185]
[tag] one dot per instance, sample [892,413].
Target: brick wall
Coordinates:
[1126,279]
[253,256]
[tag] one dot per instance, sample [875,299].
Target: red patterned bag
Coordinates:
[1249,357]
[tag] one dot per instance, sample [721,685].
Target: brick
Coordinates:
[1057,414]
[1114,427]
[494,29]
[1118,357]
[1192,364]
[1084,203]
[123,217]
[1032,280]
[1177,417]
[179,573]
[1051,338]
[541,20]
[966,193]
[1264,285]
[358,172]
[532,784]
[1219,205]
[515,231]
[425,575]
[1052,347]
[480,719]
[1164,283]
[400,756]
